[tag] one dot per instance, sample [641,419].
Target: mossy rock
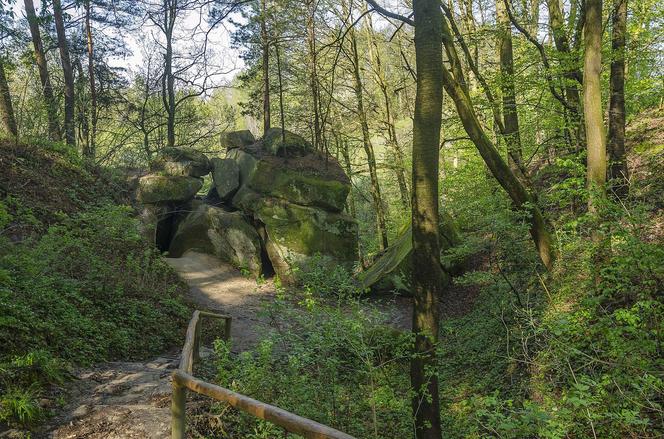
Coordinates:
[215,231]
[283,143]
[391,271]
[295,233]
[159,189]
[226,177]
[236,139]
[150,216]
[182,162]
[305,187]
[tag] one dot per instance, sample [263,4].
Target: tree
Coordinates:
[40,59]
[188,72]
[592,100]
[618,171]
[510,114]
[569,96]
[68,73]
[265,41]
[389,119]
[8,37]
[90,148]
[6,108]
[367,144]
[456,87]
[427,273]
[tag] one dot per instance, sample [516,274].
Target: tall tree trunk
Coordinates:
[592,100]
[393,141]
[500,170]
[313,73]
[368,146]
[428,277]
[510,115]
[42,66]
[282,116]
[91,147]
[6,108]
[571,71]
[168,80]
[616,142]
[266,67]
[352,209]
[534,15]
[82,116]
[67,72]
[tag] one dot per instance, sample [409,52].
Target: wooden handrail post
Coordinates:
[178,407]
[197,343]
[227,329]
[184,380]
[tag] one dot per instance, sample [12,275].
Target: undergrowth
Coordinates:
[78,285]
[576,353]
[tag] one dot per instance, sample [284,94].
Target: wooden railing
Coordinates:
[183,379]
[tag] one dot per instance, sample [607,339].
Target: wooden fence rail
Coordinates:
[184,380]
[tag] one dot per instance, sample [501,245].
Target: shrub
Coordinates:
[88,290]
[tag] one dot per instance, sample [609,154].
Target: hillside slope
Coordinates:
[78,283]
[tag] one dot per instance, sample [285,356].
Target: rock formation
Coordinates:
[275,199]
[391,270]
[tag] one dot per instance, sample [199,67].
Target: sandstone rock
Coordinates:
[159,189]
[150,216]
[226,235]
[295,233]
[392,269]
[236,139]
[287,145]
[306,181]
[226,177]
[182,161]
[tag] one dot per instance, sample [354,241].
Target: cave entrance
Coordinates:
[165,231]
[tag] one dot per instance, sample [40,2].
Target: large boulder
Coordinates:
[160,189]
[284,143]
[310,180]
[294,234]
[236,139]
[215,231]
[391,270]
[182,161]
[226,177]
[151,215]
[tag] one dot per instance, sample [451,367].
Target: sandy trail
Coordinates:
[132,399]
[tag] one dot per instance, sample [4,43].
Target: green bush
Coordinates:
[88,290]
[339,365]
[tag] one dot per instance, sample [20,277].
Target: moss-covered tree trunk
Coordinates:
[42,67]
[616,141]
[381,224]
[6,108]
[592,100]
[498,167]
[67,73]
[428,277]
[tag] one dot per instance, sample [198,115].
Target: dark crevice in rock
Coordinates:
[165,230]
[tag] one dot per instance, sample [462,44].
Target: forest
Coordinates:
[332,219]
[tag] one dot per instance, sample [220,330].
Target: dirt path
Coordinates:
[132,400]
[220,287]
